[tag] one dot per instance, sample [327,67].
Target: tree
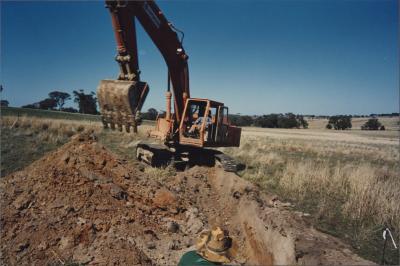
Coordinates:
[47,104]
[269,121]
[87,103]
[329,126]
[31,106]
[288,120]
[340,122]
[371,124]
[60,98]
[302,121]
[241,120]
[152,114]
[4,103]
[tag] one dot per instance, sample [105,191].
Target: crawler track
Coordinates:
[158,155]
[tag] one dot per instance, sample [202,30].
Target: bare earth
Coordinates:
[83,204]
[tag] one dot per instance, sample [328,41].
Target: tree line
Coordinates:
[87,102]
[288,120]
[343,122]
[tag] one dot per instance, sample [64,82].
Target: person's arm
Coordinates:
[198,121]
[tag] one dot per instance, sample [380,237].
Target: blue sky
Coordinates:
[258,57]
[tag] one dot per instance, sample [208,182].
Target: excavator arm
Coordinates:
[112,94]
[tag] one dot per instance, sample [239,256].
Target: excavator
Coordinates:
[195,126]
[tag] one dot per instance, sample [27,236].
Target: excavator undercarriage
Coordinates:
[158,155]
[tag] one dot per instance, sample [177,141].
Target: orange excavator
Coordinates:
[195,124]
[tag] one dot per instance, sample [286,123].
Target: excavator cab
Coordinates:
[205,123]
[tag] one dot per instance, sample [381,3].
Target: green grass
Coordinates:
[52,114]
[15,111]
[20,147]
[120,143]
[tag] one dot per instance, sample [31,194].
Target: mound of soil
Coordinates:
[83,204]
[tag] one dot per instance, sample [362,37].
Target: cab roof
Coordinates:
[212,103]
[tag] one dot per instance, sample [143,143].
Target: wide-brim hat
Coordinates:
[216,245]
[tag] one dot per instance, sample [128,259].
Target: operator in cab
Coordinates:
[199,121]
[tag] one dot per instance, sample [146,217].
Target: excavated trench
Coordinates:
[271,234]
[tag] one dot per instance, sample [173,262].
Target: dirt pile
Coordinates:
[80,204]
[83,204]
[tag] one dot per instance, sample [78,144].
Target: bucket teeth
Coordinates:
[114,120]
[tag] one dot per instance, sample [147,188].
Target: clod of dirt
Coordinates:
[194,224]
[151,245]
[117,192]
[174,245]
[165,199]
[172,227]
[22,246]
[22,201]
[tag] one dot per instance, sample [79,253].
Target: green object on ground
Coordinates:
[191,258]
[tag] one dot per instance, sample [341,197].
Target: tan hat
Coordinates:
[216,245]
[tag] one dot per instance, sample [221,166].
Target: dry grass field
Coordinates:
[25,139]
[348,181]
[390,123]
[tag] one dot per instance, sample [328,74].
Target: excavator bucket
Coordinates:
[120,101]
